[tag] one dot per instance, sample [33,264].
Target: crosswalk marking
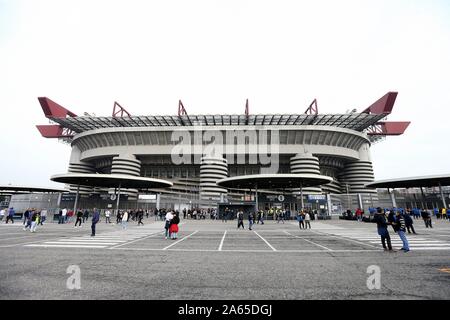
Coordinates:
[110,239]
[371,237]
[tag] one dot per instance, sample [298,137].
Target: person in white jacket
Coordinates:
[124,219]
[307,220]
[169,217]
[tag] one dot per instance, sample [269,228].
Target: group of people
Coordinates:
[9,213]
[32,218]
[399,222]
[172,219]
[304,219]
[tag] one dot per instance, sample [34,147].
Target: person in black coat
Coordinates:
[382,228]
[409,222]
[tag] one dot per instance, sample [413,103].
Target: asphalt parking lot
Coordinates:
[214,260]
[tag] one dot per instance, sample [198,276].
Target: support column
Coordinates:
[394,203]
[329,204]
[76,201]
[118,199]
[442,196]
[360,202]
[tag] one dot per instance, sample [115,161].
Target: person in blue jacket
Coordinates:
[95,219]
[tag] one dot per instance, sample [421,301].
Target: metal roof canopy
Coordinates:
[110,180]
[412,182]
[24,189]
[354,121]
[275,181]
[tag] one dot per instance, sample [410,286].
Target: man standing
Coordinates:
[43,217]
[62,217]
[307,220]
[300,219]
[400,227]
[95,219]
[426,218]
[251,219]
[107,216]
[240,219]
[382,227]
[85,215]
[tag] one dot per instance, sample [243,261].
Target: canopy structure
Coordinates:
[275,181]
[109,181]
[414,182]
[11,189]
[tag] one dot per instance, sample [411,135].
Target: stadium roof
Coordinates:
[111,180]
[10,189]
[68,123]
[412,182]
[274,181]
[354,121]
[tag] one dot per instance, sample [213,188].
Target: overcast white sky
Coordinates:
[215,54]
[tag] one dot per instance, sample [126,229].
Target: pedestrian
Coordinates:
[30,214]
[26,215]
[307,220]
[79,217]
[300,219]
[184,213]
[140,217]
[107,216]
[62,217]
[382,227]
[34,221]
[168,218]
[240,219]
[173,228]
[225,215]
[400,227]
[119,217]
[124,219]
[358,214]
[251,219]
[11,213]
[42,217]
[2,214]
[409,222]
[426,218]
[85,215]
[95,219]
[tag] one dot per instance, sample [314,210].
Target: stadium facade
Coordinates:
[195,151]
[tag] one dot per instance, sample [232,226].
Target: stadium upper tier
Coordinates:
[353,121]
[67,124]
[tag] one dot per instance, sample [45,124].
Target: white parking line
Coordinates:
[346,239]
[316,244]
[149,236]
[182,239]
[221,241]
[267,242]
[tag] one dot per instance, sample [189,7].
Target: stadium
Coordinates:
[196,151]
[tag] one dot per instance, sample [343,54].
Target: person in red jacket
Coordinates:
[358,214]
[173,229]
